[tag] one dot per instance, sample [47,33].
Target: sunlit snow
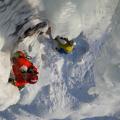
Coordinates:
[81,85]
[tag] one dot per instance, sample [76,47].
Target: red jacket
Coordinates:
[23,78]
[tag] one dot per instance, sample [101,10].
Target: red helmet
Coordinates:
[19,54]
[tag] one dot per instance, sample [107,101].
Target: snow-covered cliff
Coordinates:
[63,90]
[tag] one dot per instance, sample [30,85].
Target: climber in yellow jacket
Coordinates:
[62,44]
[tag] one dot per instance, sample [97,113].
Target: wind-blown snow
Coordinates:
[71,17]
[108,70]
[9,94]
[62,91]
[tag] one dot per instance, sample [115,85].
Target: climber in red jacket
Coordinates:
[24,71]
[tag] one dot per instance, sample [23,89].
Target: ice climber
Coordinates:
[62,44]
[23,70]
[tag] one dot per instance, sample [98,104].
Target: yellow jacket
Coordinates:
[67,48]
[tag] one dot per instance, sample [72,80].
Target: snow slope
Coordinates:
[64,81]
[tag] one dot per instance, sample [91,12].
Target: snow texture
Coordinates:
[83,85]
